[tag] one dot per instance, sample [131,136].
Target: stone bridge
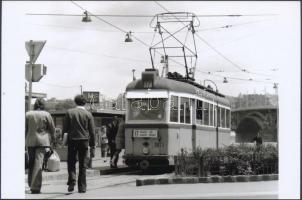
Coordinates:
[246,122]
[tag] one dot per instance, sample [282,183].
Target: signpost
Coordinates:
[92,97]
[33,49]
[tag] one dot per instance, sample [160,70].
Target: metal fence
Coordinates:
[225,165]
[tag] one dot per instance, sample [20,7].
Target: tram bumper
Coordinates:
[150,160]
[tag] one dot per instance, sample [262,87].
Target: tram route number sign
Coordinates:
[145,133]
[92,97]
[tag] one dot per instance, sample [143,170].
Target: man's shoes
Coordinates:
[113,166]
[82,191]
[35,191]
[70,188]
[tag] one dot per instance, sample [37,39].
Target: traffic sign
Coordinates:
[34,48]
[92,97]
[38,71]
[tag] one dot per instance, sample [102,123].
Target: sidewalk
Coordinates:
[97,164]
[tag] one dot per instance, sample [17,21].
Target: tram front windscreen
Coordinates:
[147,109]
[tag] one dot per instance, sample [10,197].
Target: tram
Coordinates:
[165,115]
[170,113]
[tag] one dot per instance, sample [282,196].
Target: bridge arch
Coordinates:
[249,126]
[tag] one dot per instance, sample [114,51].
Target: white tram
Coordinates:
[165,115]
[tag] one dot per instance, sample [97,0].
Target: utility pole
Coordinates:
[30,72]
[34,49]
[133,76]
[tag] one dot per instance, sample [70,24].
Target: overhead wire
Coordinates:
[56,85]
[147,16]
[149,32]
[120,29]
[109,56]
[214,49]
[142,42]
[234,78]
[232,25]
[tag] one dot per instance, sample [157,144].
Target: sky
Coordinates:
[95,56]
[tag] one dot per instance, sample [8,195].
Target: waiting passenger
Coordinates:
[119,141]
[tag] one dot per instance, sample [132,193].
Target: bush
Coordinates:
[231,160]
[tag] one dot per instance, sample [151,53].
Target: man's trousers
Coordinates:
[80,148]
[36,156]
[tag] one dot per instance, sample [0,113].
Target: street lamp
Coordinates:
[225,80]
[216,109]
[128,37]
[86,17]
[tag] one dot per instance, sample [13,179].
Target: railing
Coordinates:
[224,165]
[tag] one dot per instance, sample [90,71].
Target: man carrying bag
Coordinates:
[39,133]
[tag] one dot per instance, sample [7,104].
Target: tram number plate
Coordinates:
[145,133]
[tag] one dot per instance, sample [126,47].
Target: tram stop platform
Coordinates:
[99,166]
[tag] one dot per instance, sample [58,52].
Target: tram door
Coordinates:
[186,131]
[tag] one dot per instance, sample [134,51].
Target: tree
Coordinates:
[65,105]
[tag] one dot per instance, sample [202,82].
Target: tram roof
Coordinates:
[179,86]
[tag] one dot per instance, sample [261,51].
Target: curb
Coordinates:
[51,177]
[211,179]
[120,169]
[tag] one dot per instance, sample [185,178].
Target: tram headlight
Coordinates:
[145,150]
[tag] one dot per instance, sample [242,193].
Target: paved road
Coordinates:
[123,186]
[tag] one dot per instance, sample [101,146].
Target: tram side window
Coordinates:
[188,111]
[206,113]
[185,111]
[174,109]
[182,111]
[223,117]
[215,115]
[228,117]
[211,114]
[199,112]
[218,117]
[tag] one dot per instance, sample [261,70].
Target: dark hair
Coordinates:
[39,104]
[80,100]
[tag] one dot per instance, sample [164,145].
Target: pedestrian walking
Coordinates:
[40,136]
[111,132]
[119,141]
[79,125]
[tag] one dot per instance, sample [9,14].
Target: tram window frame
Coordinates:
[181,111]
[228,117]
[199,112]
[185,103]
[174,111]
[188,111]
[206,113]
[141,106]
[215,115]
[223,118]
[218,117]
[210,114]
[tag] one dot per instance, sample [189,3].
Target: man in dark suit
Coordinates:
[79,125]
[111,132]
